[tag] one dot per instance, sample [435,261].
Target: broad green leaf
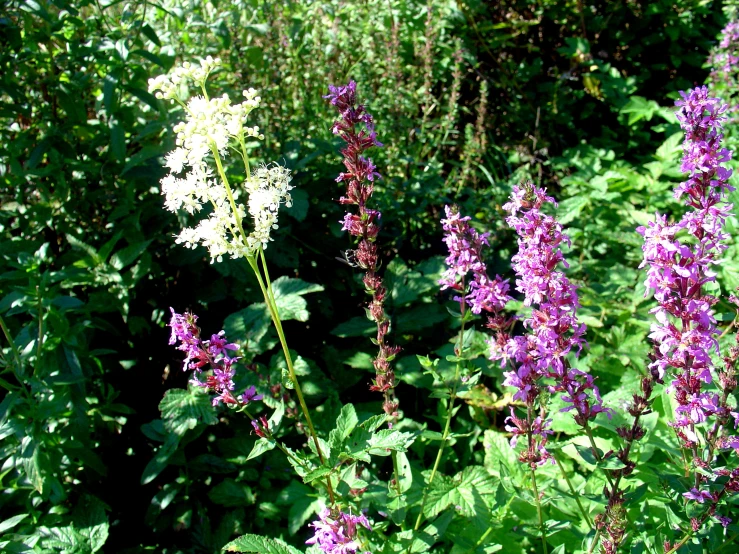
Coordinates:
[231,493]
[260,545]
[345,424]
[183,410]
[91,521]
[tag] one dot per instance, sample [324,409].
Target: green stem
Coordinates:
[595,542]
[40,341]
[445,434]
[596,453]
[444,437]
[16,355]
[572,490]
[538,510]
[269,298]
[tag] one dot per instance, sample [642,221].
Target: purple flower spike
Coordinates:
[685,333]
[202,355]
[357,129]
[554,331]
[465,246]
[336,532]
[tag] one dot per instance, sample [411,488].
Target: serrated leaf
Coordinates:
[183,410]
[386,440]
[91,521]
[260,545]
[345,424]
[289,299]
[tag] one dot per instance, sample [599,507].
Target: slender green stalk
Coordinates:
[596,453]
[447,426]
[271,304]
[595,542]
[538,511]
[16,355]
[274,313]
[572,490]
[40,341]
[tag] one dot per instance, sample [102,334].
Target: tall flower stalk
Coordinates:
[356,128]
[680,259]
[213,127]
[479,294]
[539,358]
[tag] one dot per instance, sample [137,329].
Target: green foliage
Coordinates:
[469,98]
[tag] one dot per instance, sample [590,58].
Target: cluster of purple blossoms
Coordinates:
[554,331]
[211,353]
[685,333]
[356,127]
[336,532]
[465,255]
[724,62]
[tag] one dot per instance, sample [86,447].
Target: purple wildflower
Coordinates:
[336,532]
[685,333]
[537,432]
[698,496]
[724,61]
[212,353]
[465,255]
[554,331]
[357,128]
[250,395]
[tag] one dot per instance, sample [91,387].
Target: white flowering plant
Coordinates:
[213,129]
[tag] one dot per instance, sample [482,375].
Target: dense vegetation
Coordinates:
[469,100]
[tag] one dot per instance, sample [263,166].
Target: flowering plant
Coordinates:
[537,343]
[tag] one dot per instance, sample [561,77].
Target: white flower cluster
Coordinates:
[166,86]
[268,187]
[211,125]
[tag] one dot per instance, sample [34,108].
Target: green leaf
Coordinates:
[31,462]
[91,521]
[356,327]
[11,522]
[260,447]
[183,410]
[251,325]
[289,293]
[232,494]
[500,458]
[441,495]
[161,459]
[345,424]
[128,255]
[260,545]
[386,440]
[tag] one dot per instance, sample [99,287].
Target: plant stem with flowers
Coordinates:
[359,177]
[686,334]
[483,294]
[212,127]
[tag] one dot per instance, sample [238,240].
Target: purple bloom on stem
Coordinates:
[250,395]
[465,246]
[554,330]
[723,520]
[336,532]
[357,129]
[685,334]
[211,353]
[698,496]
